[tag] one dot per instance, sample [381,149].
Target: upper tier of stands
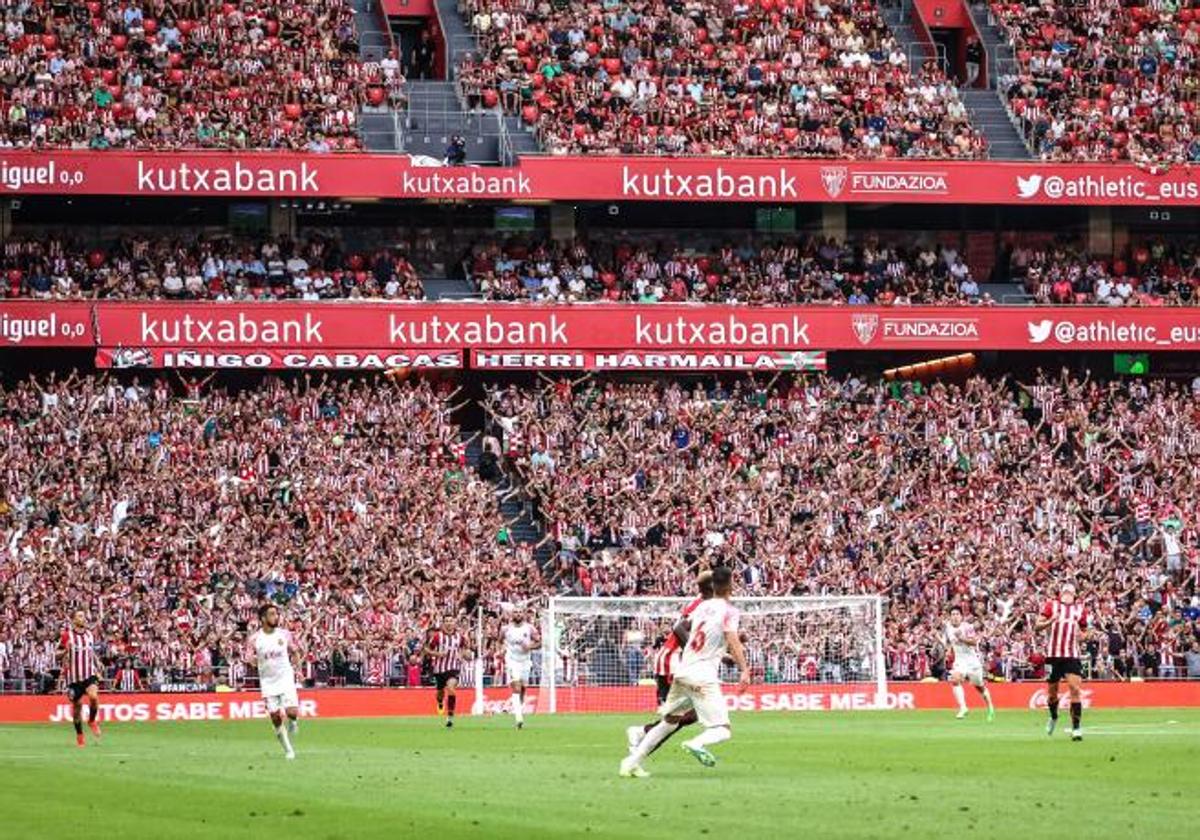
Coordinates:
[156,74]
[1106,79]
[727,77]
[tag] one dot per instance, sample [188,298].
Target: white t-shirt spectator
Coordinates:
[624,88]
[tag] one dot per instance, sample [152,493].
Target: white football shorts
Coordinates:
[280,700]
[968,669]
[517,669]
[705,698]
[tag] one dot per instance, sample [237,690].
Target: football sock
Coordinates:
[451,702]
[518,709]
[281,734]
[715,735]
[78,726]
[960,696]
[987,695]
[667,737]
[1076,714]
[1052,703]
[93,707]
[657,734]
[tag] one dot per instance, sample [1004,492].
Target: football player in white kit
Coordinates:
[712,633]
[520,638]
[274,649]
[967,666]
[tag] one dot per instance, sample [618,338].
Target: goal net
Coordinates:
[598,654]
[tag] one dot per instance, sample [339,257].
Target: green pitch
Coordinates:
[885,775]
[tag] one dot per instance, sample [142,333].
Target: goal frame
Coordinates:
[556,604]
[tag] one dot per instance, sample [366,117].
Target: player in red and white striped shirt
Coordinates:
[1067,623]
[81,670]
[447,648]
[666,660]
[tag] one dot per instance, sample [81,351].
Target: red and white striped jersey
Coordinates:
[377,670]
[81,657]
[668,654]
[447,651]
[1066,622]
[128,680]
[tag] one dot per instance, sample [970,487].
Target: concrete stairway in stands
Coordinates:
[439,288]
[513,506]
[990,116]
[459,37]
[436,113]
[376,124]
[987,106]
[1000,54]
[987,110]
[898,19]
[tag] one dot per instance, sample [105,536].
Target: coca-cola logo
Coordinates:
[1039,698]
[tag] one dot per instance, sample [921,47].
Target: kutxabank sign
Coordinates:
[774,181]
[428,334]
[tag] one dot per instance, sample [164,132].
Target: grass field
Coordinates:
[907,774]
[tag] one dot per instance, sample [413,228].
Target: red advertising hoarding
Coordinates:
[343,703]
[646,178]
[272,358]
[595,336]
[663,361]
[639,328]
[46,324]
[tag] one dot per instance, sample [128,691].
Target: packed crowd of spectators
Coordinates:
[205,267]
[816,270]
[823,270]
[170,510]
[984,494]
[1155,273]
[317,266]
[1106,79]
[820,79]
[166,74]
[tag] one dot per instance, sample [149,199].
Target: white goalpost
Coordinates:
[598,653]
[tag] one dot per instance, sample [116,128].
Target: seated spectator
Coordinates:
[647,77]
[204,268]
[1105,80]
[160,75]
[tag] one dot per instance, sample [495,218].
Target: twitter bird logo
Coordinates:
[1039,331]
[1028,187]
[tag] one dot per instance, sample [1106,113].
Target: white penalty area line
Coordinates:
[56,756]
[1133,733]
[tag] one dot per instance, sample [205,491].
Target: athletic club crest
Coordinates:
[834,179]
[865,326]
